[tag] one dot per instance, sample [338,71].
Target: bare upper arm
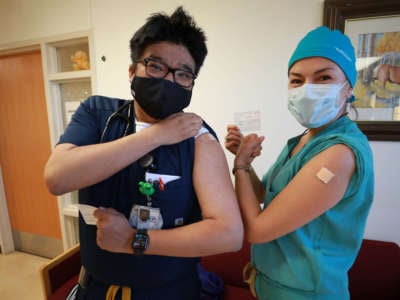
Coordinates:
[212,180]
[307,196]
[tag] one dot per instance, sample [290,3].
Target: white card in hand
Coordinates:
[87,213]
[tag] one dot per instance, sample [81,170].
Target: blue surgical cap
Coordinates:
[330,44]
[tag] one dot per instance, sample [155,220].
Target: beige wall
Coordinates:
[249,45]
[22,20]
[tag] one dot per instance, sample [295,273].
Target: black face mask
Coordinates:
[159,98]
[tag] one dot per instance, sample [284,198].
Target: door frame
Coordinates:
[68,213]
[54,117]
[6,237]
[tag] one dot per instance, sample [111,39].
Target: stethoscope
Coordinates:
[125,113]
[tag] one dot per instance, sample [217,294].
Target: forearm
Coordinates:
[70,167]
[248,200]
[203,238]
[257,185]
[206,237]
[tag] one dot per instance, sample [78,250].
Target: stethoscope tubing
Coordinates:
[126,117]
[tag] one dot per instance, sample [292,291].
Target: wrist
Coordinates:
[237,167]
[140,241]
[153,138]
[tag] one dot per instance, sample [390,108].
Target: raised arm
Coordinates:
[306,196]
[233,139]
[72,167]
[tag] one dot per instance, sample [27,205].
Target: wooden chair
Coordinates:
[60,273]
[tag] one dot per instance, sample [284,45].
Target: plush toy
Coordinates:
[80,60]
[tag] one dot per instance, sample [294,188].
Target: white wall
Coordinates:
[22,20]
[384,221]
[246,66]
[249,44]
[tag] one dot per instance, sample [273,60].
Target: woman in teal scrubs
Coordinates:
[317,195]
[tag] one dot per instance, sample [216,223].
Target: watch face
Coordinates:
[140,241]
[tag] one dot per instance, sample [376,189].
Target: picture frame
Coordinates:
[335,15]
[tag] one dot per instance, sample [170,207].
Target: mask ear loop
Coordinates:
[345,102]
[354,109]
[133,94]
[350,104]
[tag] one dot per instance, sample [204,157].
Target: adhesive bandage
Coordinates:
[325,175]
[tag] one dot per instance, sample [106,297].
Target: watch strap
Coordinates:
[140,241]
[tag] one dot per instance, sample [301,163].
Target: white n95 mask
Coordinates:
[315,105]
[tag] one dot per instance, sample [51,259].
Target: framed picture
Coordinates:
[374,28]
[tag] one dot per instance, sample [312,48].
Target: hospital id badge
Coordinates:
[145,217]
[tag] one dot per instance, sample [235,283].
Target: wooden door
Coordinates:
[24,149]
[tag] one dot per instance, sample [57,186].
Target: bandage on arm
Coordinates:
[325,175]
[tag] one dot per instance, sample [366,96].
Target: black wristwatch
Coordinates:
[140,241]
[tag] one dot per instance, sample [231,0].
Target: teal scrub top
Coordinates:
[312,262]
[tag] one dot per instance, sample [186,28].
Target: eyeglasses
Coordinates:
[157,69]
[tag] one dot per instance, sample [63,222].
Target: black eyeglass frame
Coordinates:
[146,60]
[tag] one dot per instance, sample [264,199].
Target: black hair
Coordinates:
[179,28]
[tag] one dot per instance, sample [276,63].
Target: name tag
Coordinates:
[145,217]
